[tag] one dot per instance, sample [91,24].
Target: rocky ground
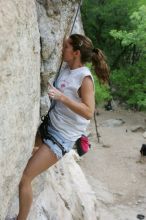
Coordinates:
[114,167]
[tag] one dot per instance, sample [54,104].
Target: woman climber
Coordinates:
[74,107]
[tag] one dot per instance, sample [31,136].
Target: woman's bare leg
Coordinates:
[39,162]
[38,140]
[38,143]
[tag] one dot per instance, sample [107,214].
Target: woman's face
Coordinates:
[68,53]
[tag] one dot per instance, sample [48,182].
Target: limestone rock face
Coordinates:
[67,196]
[19,91]
[62,193]
[31,37]
[55,20]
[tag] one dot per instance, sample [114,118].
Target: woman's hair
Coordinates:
[89,53]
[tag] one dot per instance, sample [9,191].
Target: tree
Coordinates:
[130,81]
[119,29]
[100,17]
[134,39]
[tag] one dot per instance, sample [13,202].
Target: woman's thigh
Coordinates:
[38,140]
[39,162]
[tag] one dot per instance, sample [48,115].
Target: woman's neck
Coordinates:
[75,65]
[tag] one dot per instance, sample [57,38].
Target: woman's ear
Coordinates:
[77,53]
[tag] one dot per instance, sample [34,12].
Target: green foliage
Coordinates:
[129,85]
[130,81]
[118,27]
[100,17]
[102,91]
[136,36]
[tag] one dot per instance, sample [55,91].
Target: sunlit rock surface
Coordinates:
[19,91]
[31,40]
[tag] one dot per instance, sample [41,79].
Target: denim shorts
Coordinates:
[67,144]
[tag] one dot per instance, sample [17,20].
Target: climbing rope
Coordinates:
[97,133]
[57,75]
[79,5]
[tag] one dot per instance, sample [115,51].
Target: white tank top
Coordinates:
[70,125]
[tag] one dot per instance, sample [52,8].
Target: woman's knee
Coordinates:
[26,179]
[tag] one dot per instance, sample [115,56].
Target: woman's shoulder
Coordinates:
[85,71]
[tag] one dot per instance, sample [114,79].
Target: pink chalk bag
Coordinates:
[82,145]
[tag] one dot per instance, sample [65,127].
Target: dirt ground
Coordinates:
[113,166]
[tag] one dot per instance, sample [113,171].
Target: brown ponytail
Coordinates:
[88,54]
[100,66]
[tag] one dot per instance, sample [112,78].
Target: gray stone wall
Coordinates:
[31,37]
[19,91]
[55,19]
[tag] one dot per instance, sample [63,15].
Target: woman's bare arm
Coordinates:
[86,107]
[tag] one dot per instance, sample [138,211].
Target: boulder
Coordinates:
[113,123]
[144,134]
[137,128]
[62,193]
